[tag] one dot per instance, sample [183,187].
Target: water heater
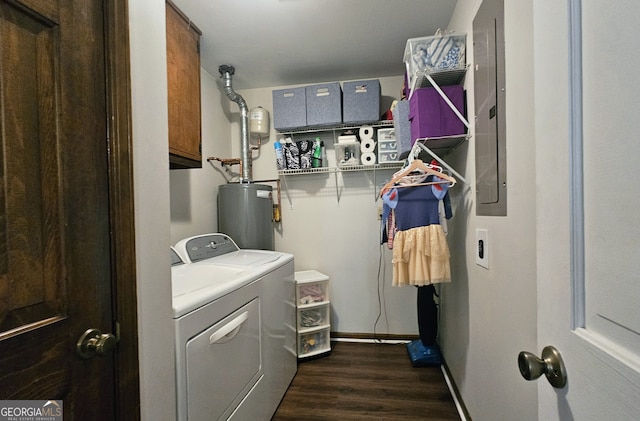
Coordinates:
[245,213]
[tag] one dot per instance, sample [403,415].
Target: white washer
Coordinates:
[229,313]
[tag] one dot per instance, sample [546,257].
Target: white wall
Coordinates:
[339,233]
[194,191]
[489,316]
[151,191]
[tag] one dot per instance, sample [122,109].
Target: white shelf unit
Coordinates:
[429,63]
[446,144]
[439,147]
[438,78]
[443,145]
[311,335]
[335,130]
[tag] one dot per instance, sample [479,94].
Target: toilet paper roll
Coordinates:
[367,145]
[366,132]
[368,158]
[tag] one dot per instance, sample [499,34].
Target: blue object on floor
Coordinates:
[423,356]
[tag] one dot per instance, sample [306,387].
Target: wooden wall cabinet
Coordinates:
[183,80]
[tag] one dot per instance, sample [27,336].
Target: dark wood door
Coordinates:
[56,267]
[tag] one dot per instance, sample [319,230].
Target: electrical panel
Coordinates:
[490,130]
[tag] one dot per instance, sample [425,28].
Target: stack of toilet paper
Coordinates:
[367,145]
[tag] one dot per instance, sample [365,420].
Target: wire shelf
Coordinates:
[304,130]
[349,168]
[441,77]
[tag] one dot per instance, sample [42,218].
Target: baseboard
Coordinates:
[462,409]
[370,337]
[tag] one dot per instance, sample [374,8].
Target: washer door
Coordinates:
[223,363]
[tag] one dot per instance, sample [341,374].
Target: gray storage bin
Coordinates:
[324,104]
[361,101]
[402,126]
[289,108]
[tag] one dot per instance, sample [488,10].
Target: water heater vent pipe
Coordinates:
[226,72]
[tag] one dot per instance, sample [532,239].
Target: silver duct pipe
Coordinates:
[226,71]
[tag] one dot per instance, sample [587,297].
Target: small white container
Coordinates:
[313,312]
[386,134]
[388,146]
[388,150]
[313,317]
[384,157]
[314,343]
[347,154]
[312,287]
[441,52]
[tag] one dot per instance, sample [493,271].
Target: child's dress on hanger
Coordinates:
[421,258]
[420,249]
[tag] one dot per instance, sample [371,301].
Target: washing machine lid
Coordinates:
[189,279]
[194,285]
[247,258]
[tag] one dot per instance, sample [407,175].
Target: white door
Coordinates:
[588,235]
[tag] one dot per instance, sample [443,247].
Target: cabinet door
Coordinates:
[183,79]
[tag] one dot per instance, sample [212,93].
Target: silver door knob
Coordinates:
[551,365]
[94,342]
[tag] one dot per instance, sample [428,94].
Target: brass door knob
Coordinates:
[551,365]
[94,342]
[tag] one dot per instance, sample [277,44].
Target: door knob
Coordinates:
[94,342]
[551,365]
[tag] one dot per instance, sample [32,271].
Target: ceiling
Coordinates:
[288,42]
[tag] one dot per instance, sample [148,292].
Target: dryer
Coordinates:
[229,314]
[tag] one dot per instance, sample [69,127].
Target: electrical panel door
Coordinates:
[490,139]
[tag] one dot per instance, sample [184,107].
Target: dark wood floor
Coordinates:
[363,381]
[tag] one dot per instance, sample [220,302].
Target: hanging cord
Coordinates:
[381,303]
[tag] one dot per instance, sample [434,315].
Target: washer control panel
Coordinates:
[208,246]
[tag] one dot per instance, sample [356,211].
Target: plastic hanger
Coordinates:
[418,165]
